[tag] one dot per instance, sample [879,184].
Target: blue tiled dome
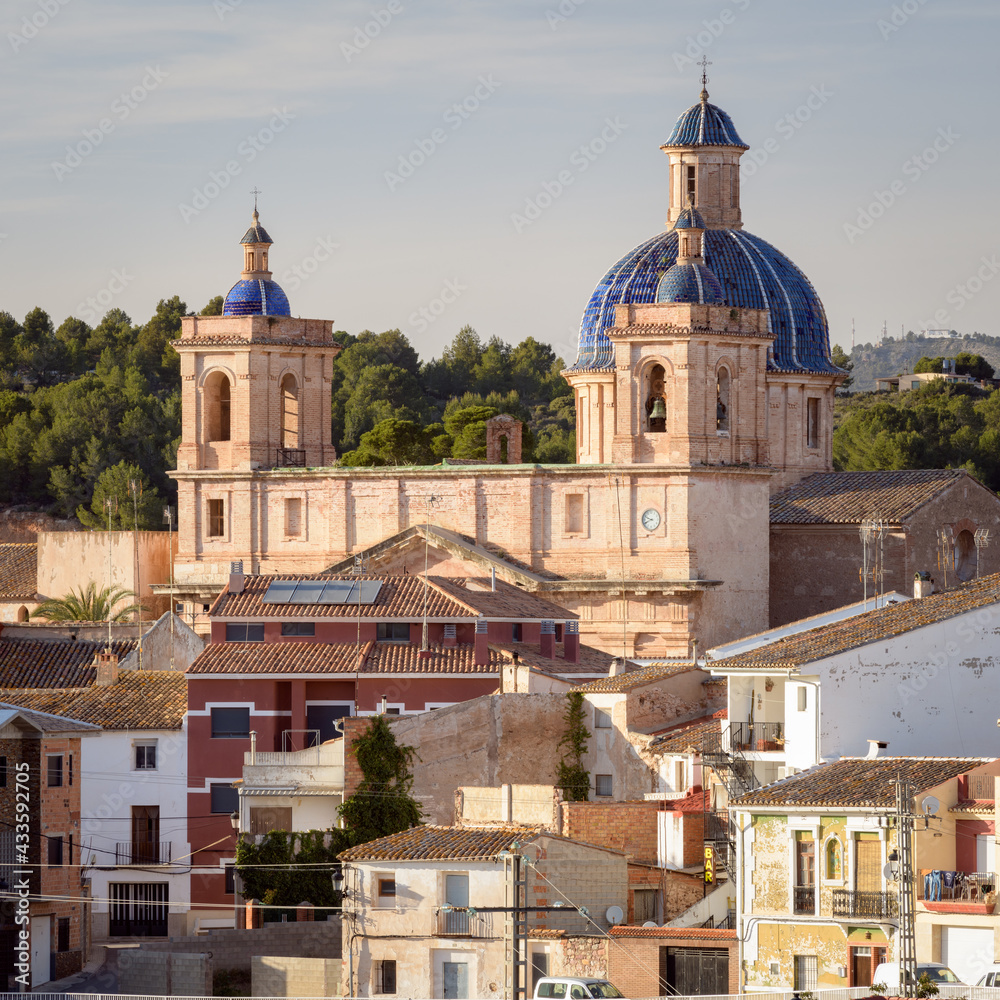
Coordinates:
[689,283]
[751,273]
[704,124]
[256,234]
[690,218]
[256,297]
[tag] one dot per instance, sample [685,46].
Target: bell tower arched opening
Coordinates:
[289,411]
[656,400]
[722,399]
[217,397]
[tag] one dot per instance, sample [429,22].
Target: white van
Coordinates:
[887,974]
[572,988]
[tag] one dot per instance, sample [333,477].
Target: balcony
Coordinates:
[291,458]
[804,899]
[957,892]
[869,905]
[756,736]
[142,853]
[464,922]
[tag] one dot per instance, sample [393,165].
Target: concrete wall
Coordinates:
[277,976]
[179,974]
[72,559]
[233,949]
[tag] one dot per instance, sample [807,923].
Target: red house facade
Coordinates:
[288,657]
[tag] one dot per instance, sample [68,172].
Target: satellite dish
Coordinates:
[930,805]
[614,915]
[650,923]
[887,873]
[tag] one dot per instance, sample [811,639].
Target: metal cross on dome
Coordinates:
[255,191]
[704,64]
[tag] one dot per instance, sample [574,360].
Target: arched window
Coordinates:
[833,859]
[965,555]
[216,394]
[656,401]
[289,412]
[22,614]
[722,404]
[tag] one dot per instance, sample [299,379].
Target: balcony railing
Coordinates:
[462,922]
[747,736]
[804,897]
[291,458]
[871,905]
[946,886]
[142,853]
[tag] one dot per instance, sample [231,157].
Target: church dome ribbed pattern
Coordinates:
[689,283]
[704,124]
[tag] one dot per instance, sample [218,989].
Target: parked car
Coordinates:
[571,988]
[991,977]
[888,974]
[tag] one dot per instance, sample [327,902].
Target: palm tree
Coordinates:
[89,605]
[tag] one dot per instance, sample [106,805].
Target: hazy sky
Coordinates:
[409,153]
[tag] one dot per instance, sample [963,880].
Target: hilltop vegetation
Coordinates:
[895,357]
[90,416]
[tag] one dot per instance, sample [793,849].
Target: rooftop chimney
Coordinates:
[873,748]
[547,639]
[107,668]
[236,577]
[571,642]
[617,667]
[482,654]
[923,585]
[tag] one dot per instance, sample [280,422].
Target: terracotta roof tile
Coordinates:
[44,721]
[507,601]
[322,657]
[441,843]
[639,677]
[850,497]
[592,661]
[695,933]
[858,781]
[871,626]
[140,699]
[19,569]
[689,736]
[36,663]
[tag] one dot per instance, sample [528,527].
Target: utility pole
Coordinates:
[904,879]
[515,924]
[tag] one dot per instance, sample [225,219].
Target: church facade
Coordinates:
[703,384]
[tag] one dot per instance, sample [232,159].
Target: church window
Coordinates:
[293,516]
[812,423]
[690,186]
[656,401]
[217,399]
[289,412]
[722,400]
[216,518]
[574,512]
[966,558]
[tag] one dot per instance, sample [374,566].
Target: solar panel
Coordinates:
[322,592]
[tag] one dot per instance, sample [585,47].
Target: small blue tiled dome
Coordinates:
[256,234]
[690,218]
[689,283]
[704,124]
[256,297]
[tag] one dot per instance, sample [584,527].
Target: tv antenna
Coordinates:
[982,539]
[872,533]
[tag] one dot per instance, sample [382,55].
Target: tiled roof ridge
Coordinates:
[437,842]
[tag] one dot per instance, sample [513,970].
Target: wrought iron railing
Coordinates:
[141,853]
[804,899]
[969,887]
[464,922]
[872,905]
[753,736]
[291,458]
